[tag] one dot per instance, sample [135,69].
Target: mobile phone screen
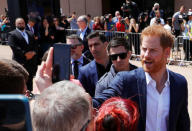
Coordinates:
[15,113]
[61,62]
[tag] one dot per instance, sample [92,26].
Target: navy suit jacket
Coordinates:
[133,85]
[85,41]
[88,77]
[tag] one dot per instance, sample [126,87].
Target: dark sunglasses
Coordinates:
[74,46]
[121,55]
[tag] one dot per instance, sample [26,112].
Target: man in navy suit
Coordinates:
[162,95]
[24,49]
[77,58]
[83,32]
[91,73]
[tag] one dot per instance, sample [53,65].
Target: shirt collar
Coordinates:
[20,30]
[83,31]
[149,79]
[80,60]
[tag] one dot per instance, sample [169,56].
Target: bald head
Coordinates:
[20,24]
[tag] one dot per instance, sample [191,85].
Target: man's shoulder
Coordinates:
[13,32]
[178,77]
[129,75]
[88,66]
[176,14]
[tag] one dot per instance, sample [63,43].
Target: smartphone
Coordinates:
[15,113]
[61,62]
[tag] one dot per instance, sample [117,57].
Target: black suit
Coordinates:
[19,47]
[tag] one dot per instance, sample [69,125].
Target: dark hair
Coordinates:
[115,42]
[12,77]
[32,19]
[74,36]
[117,114]
[88,15]
[97,34]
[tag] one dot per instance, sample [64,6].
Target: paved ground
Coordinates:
[5,52]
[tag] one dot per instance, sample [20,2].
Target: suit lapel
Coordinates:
[173,97]
[93,70]
[18,34]
[142,90]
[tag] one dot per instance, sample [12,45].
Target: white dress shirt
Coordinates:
[80,60]
[24,34]
[82,34]
[158,105]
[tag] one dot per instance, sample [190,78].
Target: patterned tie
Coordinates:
[76,69]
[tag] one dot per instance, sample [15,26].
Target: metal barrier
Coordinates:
[133,38]
[182,51]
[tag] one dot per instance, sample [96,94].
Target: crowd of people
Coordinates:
[105,91]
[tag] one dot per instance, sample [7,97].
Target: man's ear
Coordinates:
[129,54]
[82,47]
[105,44]
[167,52]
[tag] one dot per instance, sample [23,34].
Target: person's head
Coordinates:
[110,17]
[182,9]
[128,1]
[3,17]
[157,14]
[13,77]
[190,15]
[97,45]
[117,114]
[119,52]
[82,22]
[20,24]
[76,46]
[31,22]
[156,43]
[127,20]
[97,19]
[64,106]
[119,18]
[45,22]
[132,21]
[156,6]
[117,13]
[56,21]
[73,15]
[88,17]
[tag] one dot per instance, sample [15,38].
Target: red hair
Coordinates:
[117,114]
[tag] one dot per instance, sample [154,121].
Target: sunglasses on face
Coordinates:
[115,56]
[74,46]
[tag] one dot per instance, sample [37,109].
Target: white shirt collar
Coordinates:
[80,60]
[149,79]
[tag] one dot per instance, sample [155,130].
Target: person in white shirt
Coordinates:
[162,95]
[157,19]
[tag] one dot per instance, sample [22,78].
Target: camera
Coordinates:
[122,21]
[106,18]
[142,16]
[158,20]
[180,19]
